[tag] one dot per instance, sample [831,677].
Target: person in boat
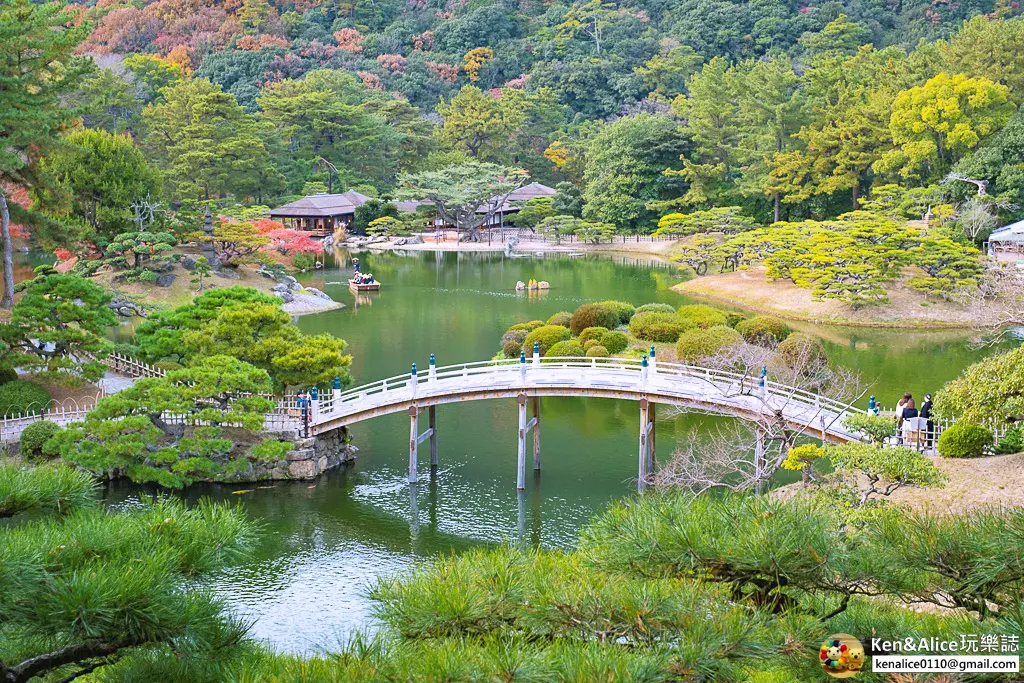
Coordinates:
[355,266]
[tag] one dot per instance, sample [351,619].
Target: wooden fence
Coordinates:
[132,367]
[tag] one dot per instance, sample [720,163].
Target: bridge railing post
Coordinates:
[643,370]
[536,354]
[432,376]
[413,380]
[314,404]
[654,365]
[522,367]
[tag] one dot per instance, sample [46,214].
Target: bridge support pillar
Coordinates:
[758,459]
[521,462]
[414,442]
[646,458]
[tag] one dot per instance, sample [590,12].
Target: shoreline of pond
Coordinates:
[749,291]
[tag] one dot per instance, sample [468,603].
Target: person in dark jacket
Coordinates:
[926,413]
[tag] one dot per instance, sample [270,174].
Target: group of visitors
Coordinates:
[358,277]
[907,410]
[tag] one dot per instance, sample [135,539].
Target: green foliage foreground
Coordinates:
[667,588]
[85,589]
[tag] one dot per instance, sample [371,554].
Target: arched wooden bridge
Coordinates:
[647,382]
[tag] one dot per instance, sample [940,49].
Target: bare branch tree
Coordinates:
[749,455]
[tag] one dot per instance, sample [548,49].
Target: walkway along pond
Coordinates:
[328,540]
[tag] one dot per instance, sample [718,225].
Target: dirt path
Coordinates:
[973,483]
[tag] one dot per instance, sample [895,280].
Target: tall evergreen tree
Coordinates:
[37,69]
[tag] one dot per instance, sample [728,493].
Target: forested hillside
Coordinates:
[787,110]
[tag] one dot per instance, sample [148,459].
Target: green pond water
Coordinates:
[326,542]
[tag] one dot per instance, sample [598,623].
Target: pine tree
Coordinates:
[37,69]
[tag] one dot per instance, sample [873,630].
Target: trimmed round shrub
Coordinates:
[703,316]
[734,319]
[21,397]
[802,350]
[514,335]
[548,336]
[593,315]
[656,308]
[511,348]
[622,310]
[597,351]
[35,435]
[569,347]
[7,374]
[561,318]
[697,344]
[591,342]
[658,327]
[614,341]
[764,330]
[964,440]
[591,333]
[529,327]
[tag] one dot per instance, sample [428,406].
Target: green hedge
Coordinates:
[569,347]
[22,397]
[597,351]
[593,315]
[656,308]
[697,344]
[1012,442]
[764,330]
[561,318]
[614,341]
[622,309]
[35,435]
[547,335]
[703,316]
[964,440]
[658,327]
[7,374]
[511,348]
[529,327]
[591,333]
[802,349]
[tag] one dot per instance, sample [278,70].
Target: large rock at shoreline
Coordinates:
[317,293]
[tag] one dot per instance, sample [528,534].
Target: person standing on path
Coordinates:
[926,413]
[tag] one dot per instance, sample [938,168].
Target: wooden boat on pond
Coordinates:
[363,286]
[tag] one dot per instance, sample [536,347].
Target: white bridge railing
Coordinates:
[626,373]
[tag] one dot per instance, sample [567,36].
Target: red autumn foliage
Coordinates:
[349,40]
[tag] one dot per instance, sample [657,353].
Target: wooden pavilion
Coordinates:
[320,214]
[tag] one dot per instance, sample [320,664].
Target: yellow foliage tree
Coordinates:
[474,60]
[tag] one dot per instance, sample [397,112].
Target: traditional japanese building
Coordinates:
[320,214]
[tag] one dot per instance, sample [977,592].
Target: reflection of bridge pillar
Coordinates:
[414,511]
[432,424]
[414,441]
[536,433]
[521,517]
